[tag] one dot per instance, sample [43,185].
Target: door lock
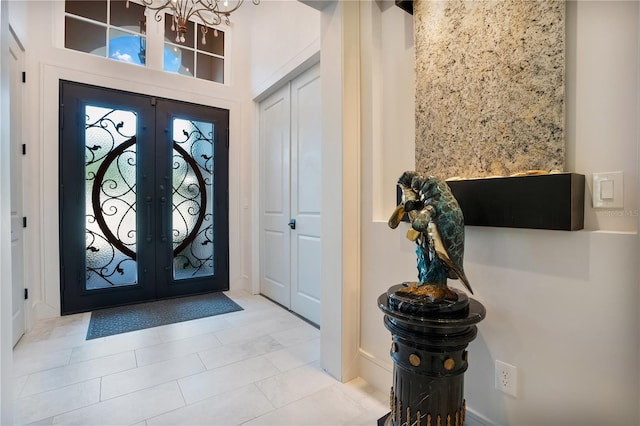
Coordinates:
[292,224]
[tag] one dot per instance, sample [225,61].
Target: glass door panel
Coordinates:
[195,256]
[110,197]
[192,199]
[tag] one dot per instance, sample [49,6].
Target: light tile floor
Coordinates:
[259,366]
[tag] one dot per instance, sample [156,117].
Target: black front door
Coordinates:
[143,198]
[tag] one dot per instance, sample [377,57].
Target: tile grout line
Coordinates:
[268,400]
[18,394]
[86,379]
[170,411]
[156,384]
[68,411]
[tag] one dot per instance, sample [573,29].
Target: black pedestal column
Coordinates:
[428,349]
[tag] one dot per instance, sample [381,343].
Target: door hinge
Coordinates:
[154,101]
[61,197]
[24,222]
[62,116]
[26,293]
[227,138]
[24,76]
[24,149]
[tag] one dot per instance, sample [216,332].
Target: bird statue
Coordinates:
[437,227]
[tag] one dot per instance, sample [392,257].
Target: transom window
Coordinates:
[200,54]
[106,28]
[115,30]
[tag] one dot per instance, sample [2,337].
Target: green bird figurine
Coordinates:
[437,227]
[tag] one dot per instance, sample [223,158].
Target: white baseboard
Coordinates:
[44,311]
[475,419]
[376,372]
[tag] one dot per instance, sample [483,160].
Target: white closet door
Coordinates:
[290,144]
[306,140]
[16,57]
[274,139]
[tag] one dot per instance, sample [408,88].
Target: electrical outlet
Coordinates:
[507,378]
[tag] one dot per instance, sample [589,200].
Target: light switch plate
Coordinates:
[608,190]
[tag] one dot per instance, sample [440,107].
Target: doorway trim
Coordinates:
[147,135]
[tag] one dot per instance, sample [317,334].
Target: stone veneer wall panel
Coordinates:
[489,86]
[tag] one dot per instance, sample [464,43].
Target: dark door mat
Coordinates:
[122,319]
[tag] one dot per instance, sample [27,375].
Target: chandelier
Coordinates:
[210,12]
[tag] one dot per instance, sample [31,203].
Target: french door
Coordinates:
[290,208]
[143,198]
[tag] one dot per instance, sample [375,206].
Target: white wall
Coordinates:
[602,87]
[284,34]
[561,306]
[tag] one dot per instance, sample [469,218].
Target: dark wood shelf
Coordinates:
[406,5]
[553,201]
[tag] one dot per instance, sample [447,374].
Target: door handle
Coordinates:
[163,234]
[292,224]
[148,200]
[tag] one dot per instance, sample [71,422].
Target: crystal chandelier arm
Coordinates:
[165,4]
[214,6]
[227,12]
[208,11]
[209,5]
[214,15]
[183,9]
[212,20]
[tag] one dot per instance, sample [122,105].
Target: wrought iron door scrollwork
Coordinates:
[112,250]
[111,247]
[192,208]
[112,194]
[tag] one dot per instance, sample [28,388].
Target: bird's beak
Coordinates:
[412,234]
[396,216]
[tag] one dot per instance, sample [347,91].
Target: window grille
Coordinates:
[110,29]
